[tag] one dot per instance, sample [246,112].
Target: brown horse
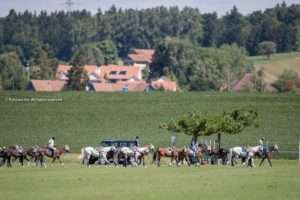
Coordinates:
[191,157]
[16,152]
[44,151]
[267,154]
[174,153]
[32,154]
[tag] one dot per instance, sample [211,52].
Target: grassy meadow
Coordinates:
[81,118]
[72,181]
[277,64]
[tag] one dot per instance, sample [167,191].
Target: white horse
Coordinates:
[99,153]
[104,151]
[141,152]
[87,153]
[127,154]
[246,154]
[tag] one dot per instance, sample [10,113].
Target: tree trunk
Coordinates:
[219,141]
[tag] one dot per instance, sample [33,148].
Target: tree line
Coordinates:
[41,40]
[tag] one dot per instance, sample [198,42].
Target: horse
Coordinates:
[126,155]
[240,152]
[32,153]
[141,152]
[44,151]
[2,154]
[267,154]
[88,154]
[91,155]
[219,154]
[176,154]
[191,157]
[16,152]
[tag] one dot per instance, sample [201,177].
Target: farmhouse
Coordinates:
[47,85]
[109,78]
[116,73]
[164,84]
[141,57]
[62,71]
[93,72]
[122,86]
[247,82]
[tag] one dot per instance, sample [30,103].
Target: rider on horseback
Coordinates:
[262,146]
[51,145]
[194,145]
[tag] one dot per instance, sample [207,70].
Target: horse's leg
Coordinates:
[59,160]
[158,159]
[232,160]
[8,161]
[125,160]
[21,159]
[269,160]
[143,160]
[42,161]
[262,160]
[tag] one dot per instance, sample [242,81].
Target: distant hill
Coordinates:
[277,64]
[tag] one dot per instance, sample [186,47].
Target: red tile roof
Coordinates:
[119,72]
[90,69]
[164,84]
[133,86]
[62,70]
[244,83]
[48,85]
[142,55]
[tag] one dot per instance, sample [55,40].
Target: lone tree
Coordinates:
[77,78]
[201,124]
[266,48]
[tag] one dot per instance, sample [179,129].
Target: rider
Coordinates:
[137,139]
[51,145]
[262,146]
[135,148]
[194,145]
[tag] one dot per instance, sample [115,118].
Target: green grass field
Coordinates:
[87,118]
[72,181]
[277,64]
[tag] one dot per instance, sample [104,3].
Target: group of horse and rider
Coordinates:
[34,153]
[134,155]
[195,154]
[129,154]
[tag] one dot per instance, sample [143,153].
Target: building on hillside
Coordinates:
[93,72]
[164,84]
[117,73]
[61,72]
[245,83]
[141,58]
[47,85]
[121,86]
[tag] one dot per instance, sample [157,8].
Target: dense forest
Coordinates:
[41,40]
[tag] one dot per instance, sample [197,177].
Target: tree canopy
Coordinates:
[202,124]
[266,48]
[199,68]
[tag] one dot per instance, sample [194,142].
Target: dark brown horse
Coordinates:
[44,151]
[267,154]
[175,154]
[15,152]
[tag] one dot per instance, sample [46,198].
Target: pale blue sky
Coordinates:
[220,6]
